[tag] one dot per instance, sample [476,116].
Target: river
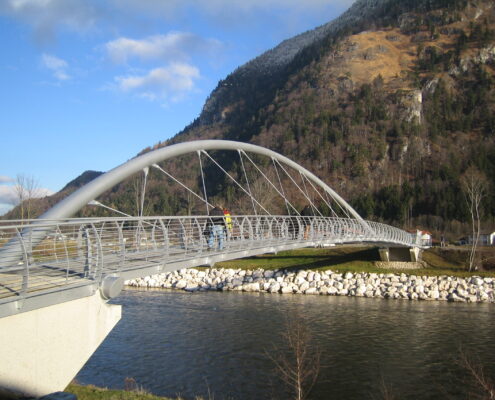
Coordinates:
[177,343]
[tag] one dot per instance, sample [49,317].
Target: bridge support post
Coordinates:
[384,254]
[43,350]
[404,254]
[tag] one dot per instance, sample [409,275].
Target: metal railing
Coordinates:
[46,257]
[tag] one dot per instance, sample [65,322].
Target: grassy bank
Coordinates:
[91,392]
[443,261]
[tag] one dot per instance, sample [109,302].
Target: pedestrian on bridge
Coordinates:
[228,222]
[216,228]
[306,213]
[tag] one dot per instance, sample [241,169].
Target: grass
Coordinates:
[308,259]
[356,259]
[132,391]
[91,392]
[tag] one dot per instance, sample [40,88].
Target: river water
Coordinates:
[177,343]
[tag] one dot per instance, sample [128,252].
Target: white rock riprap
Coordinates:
[393,286]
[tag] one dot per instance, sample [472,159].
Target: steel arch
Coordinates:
[73,203]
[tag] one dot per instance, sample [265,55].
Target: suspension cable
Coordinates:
[234,180]
[327,201]
[313,206]
[281,186]
[203,180]
[97,203]
[269,181]
[180,183]
[247,181]
[295,183]
[342,208]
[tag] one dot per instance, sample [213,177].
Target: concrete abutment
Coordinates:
[44,349]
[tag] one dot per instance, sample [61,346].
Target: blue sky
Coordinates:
[87,84]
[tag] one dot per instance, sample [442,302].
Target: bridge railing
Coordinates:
[41,256]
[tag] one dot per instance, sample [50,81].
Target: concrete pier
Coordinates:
[43,350]
[412,254]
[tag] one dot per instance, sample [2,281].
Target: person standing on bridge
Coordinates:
[306,213]
[216,228]
[228,222]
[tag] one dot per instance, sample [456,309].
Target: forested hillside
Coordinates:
[390,104]
[391,109]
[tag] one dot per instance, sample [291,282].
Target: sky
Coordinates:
[87,84]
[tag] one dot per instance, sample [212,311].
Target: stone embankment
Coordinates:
[386,285]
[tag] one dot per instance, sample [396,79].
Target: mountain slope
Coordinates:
[390,103]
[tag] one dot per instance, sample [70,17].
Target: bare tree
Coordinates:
[483,385]
[386,391]
[20,193]
[474,185]
[26,188]
[300,366]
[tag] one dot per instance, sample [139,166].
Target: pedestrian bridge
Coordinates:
[78,257]
[51,263]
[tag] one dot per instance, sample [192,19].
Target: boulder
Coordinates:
[330,290]
[268,274]
[192,287]
[274,287]
[286,289]
[361,290]
[255,287]
[181,284]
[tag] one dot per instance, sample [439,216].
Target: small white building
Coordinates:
[424,237]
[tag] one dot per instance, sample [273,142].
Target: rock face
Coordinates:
[394,286]
[274,60]
[412,106]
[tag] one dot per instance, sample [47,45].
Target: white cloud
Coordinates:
[56,65]
[8,194]
[172,46]
[169,82]
[9,197]
[6,179]
[46,16]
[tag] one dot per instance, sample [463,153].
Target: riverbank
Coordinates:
[361,284]
[90,392]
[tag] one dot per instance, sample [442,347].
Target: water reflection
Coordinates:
[179,343]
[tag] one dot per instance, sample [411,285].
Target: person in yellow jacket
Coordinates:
[228,221]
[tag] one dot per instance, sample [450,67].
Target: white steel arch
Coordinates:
[89,192]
